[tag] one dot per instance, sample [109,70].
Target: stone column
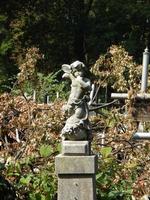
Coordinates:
[76,169]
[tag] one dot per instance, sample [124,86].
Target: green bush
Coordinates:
[113,181]
[43,85]
[33,176]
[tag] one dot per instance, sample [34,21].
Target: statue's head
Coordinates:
[76,68]
[77,65]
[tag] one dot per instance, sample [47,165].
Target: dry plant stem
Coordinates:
[96,93]
[29,109]
[102,106]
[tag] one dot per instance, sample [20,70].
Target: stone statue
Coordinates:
[77,125]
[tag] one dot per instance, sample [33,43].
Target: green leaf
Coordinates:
[98,176]
[38,196]
[113,194]
[59,147]
[26,180]
[2,166]
[13,174]
[3,18]
[43,197]
[5,46]
[106,151]
[45,150]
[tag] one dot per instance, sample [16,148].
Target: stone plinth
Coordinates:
[75,148]
[76,170]
[75,164]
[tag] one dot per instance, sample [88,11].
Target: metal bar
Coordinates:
[119,95]
[92,94]
[141,96]
[141,136]
[145,64]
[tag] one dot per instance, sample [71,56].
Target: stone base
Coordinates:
[76,187]
[76,170]
[75,148]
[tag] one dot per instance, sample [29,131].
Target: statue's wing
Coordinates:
[77,65]
[66,68]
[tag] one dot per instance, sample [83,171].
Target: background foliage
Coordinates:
[30,134]
[36,38]
[68,30]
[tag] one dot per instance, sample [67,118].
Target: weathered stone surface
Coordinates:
[75,148]
[76,187]
[75,164]
[76,170]
[77,125]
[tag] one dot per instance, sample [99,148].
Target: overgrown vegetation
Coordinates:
[36,38]
[116,69]
[29,143]
[30,129]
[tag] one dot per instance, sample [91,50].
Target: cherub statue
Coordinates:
[77,125]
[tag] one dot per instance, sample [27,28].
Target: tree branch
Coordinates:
[89,7]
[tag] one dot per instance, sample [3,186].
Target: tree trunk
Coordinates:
[79,33]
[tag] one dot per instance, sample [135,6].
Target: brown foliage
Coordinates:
[117,69]
[24,123]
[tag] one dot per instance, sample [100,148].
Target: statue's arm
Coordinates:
[68,75]
[84,82]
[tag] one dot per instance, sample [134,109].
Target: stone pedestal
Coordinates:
[76,169]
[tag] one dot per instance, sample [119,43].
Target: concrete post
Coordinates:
[76,169]
[146,56]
